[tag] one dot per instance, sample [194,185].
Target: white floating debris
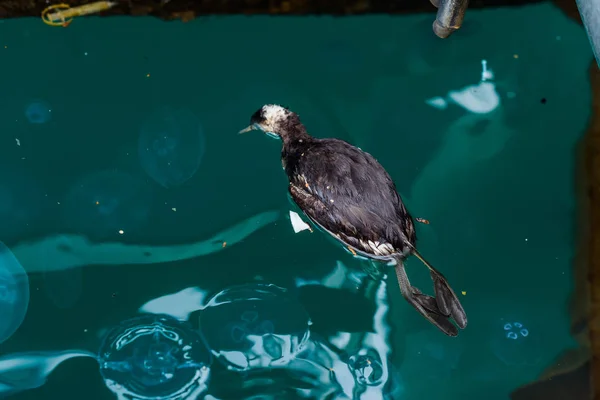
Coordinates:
[479,99]
[178,305]
[297,223]
[437,102]
[486,74]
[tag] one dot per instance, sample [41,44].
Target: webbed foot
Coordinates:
[426,305]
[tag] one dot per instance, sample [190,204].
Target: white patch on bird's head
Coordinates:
[274,112]
[273,116]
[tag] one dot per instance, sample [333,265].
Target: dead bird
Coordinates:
[348,194]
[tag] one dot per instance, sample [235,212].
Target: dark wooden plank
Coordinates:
[189,9]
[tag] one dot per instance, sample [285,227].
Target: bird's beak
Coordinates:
[248,129]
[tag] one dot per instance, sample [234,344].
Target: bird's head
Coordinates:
[272,119]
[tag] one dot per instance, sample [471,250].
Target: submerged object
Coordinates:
[348,194]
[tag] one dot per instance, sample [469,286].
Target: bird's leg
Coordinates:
[423,303]
[446,299]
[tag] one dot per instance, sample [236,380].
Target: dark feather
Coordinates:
[346,191]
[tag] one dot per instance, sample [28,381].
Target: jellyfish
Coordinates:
[154,356]
[515,345]
[254,326]
[171,146]
[106,203]
[14,293]
[38,112]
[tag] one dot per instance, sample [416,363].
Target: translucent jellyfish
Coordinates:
[301,378]
[515,346]
[14,293]
[38,112]
[154,357]
[104,203]
[254,326]
[171,146]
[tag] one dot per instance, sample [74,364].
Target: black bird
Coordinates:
[347,193]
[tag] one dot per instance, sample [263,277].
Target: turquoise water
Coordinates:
[152,234]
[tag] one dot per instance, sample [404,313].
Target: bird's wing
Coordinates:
[349,194]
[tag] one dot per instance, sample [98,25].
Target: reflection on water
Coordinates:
[63,252]
[154,357]
[254,326]
[23,371]
[260,334]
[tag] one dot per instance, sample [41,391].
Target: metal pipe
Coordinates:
[450,16]
[590,15]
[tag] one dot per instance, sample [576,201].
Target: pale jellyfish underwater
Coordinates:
[38,112]
[515,345]
[155,357]
[171,146]
[14,293]
[261,331]
[102,204]
[360,360]
[254,326]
